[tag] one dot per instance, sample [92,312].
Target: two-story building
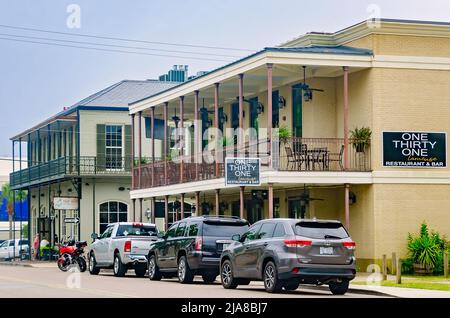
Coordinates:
[79,163]
[296,106]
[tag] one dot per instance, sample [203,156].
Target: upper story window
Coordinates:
[114,146]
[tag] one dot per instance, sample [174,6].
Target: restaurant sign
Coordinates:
[414,149]
[242,171]
[65,203]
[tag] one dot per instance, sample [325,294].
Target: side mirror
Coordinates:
[236,237]
[94,236]
[161,235]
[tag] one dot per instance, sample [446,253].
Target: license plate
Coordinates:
[326,250]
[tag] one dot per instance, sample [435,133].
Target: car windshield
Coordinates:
[136,230]
[5,243]
[224,229]
[321,230]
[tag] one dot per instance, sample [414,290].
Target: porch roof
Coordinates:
[312,55]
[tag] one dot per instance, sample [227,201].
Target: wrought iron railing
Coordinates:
[71,166]
[292,154]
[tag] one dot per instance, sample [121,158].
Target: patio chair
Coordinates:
[319,156]
[291,159]
[336,157]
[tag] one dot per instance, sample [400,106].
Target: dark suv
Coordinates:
[193,246]
[287,252]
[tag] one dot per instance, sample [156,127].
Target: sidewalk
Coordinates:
[37,264]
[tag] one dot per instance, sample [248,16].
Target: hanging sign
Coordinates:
[242,171]
[414,149]
[65,203]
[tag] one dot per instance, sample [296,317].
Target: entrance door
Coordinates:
[275,109]
[297,100]
[45,229]
[297,209]
[235,121]
[254,210]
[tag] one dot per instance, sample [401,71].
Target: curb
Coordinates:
[15,264]
[353,290]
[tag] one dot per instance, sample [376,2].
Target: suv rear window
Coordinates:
[224,229]
[136,230]
[321,230]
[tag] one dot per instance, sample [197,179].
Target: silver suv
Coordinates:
[285,253]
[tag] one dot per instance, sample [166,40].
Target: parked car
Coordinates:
[122,246]
[17,248]
[193,246]
[287,252]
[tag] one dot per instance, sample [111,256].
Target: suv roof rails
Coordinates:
[220,216]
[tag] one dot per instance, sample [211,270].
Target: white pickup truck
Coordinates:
[122,246]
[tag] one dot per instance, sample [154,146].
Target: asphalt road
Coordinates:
[17,281]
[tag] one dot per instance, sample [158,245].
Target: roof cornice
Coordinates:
[362,29]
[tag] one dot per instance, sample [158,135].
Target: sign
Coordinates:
[65,203]
[242,171]
[71,220]
[414,149]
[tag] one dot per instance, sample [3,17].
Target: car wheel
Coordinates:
[270,276]
[153,269]
[119,268]
[226,275]
[291,285]
[93,269]
[209,277]
[339,288]
[185,274]
[140,269]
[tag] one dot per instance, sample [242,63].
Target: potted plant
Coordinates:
[284,134]
[424,250]
[360,138]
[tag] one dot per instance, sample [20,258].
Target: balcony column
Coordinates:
[216,126]
[165,147]
[197,135]
[346,114]
[133,206]
[270,200]
[133,185]
[140,150]
[217,202]
[49,146]
[59,139]
[152,135]
[241,202]
[197,203]
[182,207]
[347,206]
[153,205]
[166,212]
[181,139]
[140,209]
[241,114]
[269,110]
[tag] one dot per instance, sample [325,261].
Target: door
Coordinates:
[254,121]
[254,210]
[165,248]
[262,247]
[102,246]
[178,243]
[297,110]
[246,254]
[4,250]
[297,209]
[275,109]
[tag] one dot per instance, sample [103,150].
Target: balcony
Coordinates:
[66,167]
[294,154]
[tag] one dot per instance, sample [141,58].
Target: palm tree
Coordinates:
[8,195]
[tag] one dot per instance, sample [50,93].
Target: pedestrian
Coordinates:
[36,247]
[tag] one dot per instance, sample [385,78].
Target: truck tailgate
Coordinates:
[141,245]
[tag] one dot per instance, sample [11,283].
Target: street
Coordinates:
[47,282]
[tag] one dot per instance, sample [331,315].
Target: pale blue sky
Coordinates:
[38,80]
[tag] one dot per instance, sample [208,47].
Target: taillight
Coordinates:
[198,244]
[297,243]
[127,246]
[349,245]
[138,224]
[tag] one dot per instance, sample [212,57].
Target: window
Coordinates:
[279,231]
[111,212]
[136,229]
[180,229]
[107,233]
[266,231]
[321,230]
[252,232]
[193,229]
[114,147]
[171,231]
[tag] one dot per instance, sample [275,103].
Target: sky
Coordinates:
[39,80]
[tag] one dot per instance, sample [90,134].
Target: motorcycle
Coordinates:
[70,254]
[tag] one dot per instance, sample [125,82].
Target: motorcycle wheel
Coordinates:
[64,263]
[82,264]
